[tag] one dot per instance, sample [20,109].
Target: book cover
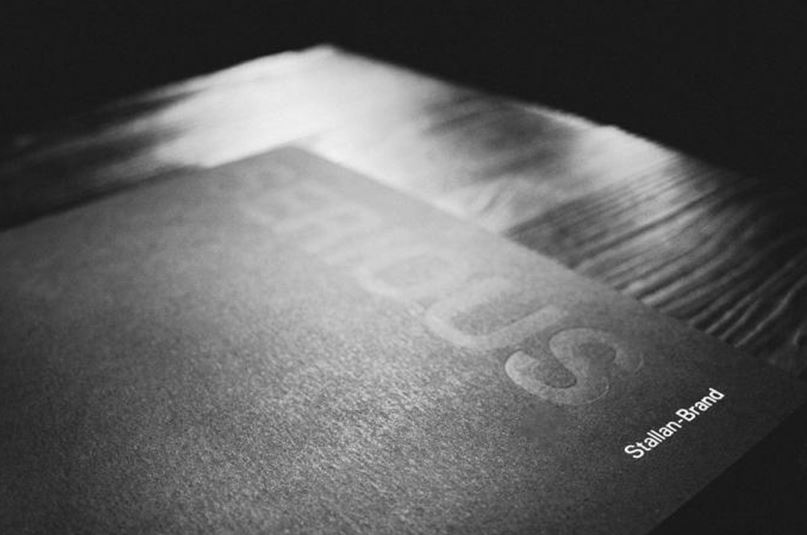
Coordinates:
[282,345]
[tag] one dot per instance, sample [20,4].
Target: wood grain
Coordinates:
[725,253]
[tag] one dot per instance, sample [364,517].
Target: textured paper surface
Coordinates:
[282,345]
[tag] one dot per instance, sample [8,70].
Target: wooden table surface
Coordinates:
[724,253]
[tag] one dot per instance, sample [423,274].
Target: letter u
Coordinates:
[440,316]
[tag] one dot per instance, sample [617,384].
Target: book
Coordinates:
[281,344]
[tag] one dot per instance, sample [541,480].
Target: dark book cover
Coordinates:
[281,345]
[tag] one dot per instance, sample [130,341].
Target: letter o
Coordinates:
[455,272]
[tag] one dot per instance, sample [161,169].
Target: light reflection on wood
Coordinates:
[726,254]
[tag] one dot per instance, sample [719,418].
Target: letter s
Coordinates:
[634,452]
[591,381]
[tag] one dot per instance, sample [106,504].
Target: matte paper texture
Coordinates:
[281,344]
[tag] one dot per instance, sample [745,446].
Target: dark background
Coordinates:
[726,81]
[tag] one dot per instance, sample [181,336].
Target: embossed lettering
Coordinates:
[450,273]
[484,314]
[440,317]
[591,381]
